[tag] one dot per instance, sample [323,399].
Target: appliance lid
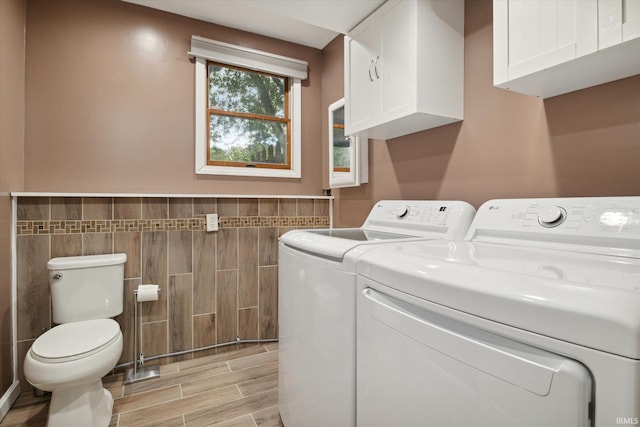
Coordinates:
[75,340]
[335,243]
[586,299]
[359,234]
[388,220]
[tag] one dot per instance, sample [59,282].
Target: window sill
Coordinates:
[245,171]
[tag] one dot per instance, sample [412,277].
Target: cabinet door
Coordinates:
[630,19]
[618,22]
[397,65]
[362,84]
[532,35]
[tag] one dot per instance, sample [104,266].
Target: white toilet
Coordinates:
[70,359]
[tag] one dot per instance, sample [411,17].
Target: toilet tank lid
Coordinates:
[69,262]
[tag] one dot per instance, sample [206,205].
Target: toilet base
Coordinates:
[87,405]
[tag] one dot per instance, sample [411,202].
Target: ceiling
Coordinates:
[307,22]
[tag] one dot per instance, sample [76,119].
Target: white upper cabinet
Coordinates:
[618,22]
[404,69]
[550,47]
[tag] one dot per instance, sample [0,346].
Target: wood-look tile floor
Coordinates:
[232,389]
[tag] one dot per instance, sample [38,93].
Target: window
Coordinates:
[248,118]
[248,111]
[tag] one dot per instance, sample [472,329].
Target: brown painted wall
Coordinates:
[12,87]
[585,143]
[110,102]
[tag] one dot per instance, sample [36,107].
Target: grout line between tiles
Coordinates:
[193,288]
[226,402]
[153,321]
[137,408]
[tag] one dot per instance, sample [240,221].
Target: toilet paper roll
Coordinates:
[147,293]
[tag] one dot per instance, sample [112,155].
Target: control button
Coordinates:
[551,216]
[401,211]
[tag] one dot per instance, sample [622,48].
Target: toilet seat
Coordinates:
[76,340]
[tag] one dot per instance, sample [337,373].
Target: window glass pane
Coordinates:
[244,91]
[238,139]
[338,116]
[341,149]
[341,144]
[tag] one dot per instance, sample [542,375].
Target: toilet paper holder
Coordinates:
[149,293]
[146,293]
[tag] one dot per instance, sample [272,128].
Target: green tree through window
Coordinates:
[249,120]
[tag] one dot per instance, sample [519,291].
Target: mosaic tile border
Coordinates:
[176,224]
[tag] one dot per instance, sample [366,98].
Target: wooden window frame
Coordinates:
[286,120]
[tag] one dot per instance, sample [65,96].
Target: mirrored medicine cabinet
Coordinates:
[348,155]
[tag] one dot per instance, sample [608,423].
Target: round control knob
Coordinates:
[401,211]
[551,216]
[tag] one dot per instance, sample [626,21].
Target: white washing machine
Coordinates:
[317,301]
[534,320]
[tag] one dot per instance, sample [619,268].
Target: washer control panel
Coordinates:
[421,216]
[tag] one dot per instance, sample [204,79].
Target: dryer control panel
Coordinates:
[583,223]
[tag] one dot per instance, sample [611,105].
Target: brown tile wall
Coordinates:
[214,286]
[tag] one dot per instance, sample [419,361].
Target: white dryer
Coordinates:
[317,301]
[534,320]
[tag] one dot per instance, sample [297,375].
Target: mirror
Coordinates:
[341,144]
[345,154]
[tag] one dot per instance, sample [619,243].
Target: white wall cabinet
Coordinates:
[404,69]
[549,47]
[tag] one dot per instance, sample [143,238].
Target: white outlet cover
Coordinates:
[212,222]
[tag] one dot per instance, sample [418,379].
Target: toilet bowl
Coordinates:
[70,360]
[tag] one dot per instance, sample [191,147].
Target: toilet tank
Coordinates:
[86,287]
